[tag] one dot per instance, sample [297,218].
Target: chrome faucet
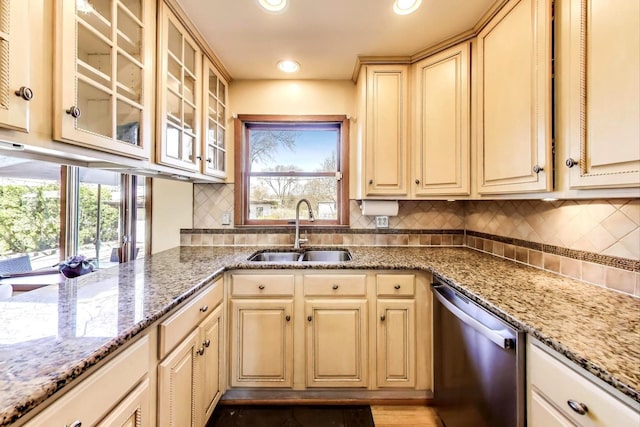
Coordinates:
[298,241]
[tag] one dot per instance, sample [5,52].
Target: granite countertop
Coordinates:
[48,337]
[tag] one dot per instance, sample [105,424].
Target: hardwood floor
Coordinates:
[406,416]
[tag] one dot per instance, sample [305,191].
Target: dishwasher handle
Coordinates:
[495,336]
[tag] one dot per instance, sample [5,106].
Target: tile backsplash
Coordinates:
[596,241]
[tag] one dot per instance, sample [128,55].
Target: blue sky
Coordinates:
[312,147]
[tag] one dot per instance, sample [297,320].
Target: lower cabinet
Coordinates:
[131,412]
[189,383]
[396,338]
[557,395]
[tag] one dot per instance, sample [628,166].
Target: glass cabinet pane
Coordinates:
[128,123]
[133,6]
[189,58]
[175,41]
[173,142]
[97,14]
[94,56]
[187,147]
[221,92]
[129,34]
[95,107]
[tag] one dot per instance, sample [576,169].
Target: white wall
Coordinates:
[172,209]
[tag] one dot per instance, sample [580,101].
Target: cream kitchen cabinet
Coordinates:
[396,330]
[383,135]
[336,330]
[440,142]
[214,161]
[179,112]
[261,330]
[103,75]
[117,391]
[513,124]
[557,395]
[15,90]
[599,92]
[191,349]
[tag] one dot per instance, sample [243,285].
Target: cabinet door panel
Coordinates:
[603,92]
[442,138]
[133,411]
[514,100]
[396,343]
[210,364]
[543,414]
[336,343]
[261,343]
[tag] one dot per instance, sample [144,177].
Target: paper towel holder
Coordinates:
[379,207]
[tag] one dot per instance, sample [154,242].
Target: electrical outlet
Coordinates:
[382,221]
[226,218]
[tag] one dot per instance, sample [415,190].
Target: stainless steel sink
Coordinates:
[275,256]
[326,256]
[311,255]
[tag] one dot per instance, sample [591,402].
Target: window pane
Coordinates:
[29,215]
[275,198]
[99,216]
[293,150]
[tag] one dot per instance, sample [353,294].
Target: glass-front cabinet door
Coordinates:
[179,89]
[214,122]
[104,74]
[15,92]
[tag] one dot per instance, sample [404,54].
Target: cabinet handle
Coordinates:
[261,287]
[309,318]
[370,181]
[417,181]
[570,162]
[76,423]
[200,351]
[206,343]
[287,318]
[577,407]
[74,111]
[334,287]
[396,287]
[199,157]
[25,93]
[204,308]
[209,160]
[537,169]
[383,317]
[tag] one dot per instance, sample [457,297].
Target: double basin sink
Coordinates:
[308,255]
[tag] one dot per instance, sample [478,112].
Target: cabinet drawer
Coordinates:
[558,384]
[92,399]
[262,285]
[396,285]
[176,327]
[335,284]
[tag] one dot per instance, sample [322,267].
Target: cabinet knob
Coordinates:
[25,93]
[204,308]
[287,318]
[76,423]
[396,287]
[206,343]
[383,317]
[570,162]
[199,157]
[577,407]
[209,160]
[537,169]
[200,351]
[309,318]
[334,287]
[74,111]
[417,181]
[370,181]
[261,287]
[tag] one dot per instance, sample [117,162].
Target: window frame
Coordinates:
[241,173]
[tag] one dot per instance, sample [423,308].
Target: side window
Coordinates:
[286,159]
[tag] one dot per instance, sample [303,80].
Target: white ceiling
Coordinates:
[324,36]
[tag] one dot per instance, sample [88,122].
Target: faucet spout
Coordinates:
[298,241]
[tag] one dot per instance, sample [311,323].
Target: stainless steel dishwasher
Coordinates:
[479,375]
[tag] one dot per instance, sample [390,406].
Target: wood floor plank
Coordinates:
[406,416]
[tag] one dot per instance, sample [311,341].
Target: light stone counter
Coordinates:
[50,336]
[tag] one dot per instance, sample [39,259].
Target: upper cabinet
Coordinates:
[179,94]
[441,137]
[383,92]
[599,92]
[214,107]
[15,91]
[103,85]
[514,110]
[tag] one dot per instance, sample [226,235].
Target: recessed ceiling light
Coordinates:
[288,66]
[405,7]
[273,5]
